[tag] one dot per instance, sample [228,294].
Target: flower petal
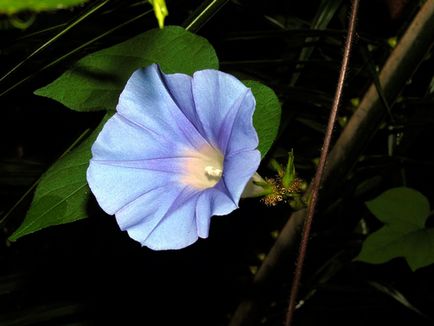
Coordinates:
[179,87]
[146,101]
[154,210]
[239,168]
[172,223]
[211,202]
[114,186]
[146,210]
[240,134]
[220,101]
[122,139]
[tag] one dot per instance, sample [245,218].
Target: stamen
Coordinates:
[213,172]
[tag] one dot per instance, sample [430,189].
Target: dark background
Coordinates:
[90,273]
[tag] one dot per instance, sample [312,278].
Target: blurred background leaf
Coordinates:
[13,6]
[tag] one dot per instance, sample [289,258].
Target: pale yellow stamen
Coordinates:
[213,172]
[203,168]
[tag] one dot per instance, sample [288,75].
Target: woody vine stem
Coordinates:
[320,169]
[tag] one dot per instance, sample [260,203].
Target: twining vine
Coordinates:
[316,183]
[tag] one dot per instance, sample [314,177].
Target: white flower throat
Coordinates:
[203,168]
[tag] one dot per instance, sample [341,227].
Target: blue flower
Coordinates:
[179,150]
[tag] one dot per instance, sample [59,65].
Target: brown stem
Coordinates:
[320,169]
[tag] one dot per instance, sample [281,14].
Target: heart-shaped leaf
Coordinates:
[404,212]
[95,82]
[267,114]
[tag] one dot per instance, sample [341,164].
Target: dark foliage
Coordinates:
[90,273]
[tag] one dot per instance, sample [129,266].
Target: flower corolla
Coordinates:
[178,151]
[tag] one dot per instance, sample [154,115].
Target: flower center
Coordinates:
[213,172]
[203,168]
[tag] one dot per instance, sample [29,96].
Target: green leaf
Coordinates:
[401,205]
[12,6]
[62,194]
[267,114]
[404,212]
[95,82]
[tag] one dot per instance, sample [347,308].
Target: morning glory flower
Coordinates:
[178,151]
